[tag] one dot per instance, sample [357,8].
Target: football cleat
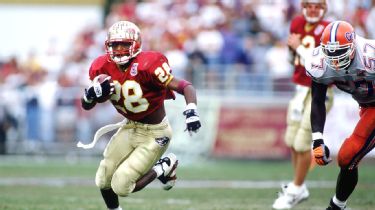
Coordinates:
[290,196]
[333,206]
[169,165]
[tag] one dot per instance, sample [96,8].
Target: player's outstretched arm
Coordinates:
[318,109]
[186,89]
[318,117]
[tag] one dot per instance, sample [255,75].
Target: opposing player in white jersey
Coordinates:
[347,61]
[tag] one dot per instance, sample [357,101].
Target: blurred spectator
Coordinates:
[196,68]
[210,42]
[33,111]
[359,21]
[232,51]
[11,73]
[260,80]
[280,69]
[178,61]
[246,22]
[292,9]
[6,122]
[369,24]
[219,45]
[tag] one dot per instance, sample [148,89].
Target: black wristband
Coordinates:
[317,143]
[190,113]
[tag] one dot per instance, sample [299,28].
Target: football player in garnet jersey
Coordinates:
[305,33]
[347,61]
[138,83]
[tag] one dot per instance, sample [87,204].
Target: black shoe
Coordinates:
[333,206]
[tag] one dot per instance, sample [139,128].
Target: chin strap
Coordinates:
[100,132]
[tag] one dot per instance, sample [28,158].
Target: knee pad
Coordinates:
[302,142]
[290,133]
[104,175]
[121,184]
[298,138]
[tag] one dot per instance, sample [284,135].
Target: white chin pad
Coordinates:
[120,60]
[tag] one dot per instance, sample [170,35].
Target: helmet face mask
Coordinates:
[313,10]
[339,57]
[338,44]
[123,42]
[120,51]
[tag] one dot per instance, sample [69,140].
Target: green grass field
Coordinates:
[37,183]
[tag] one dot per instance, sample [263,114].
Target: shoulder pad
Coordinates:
[297,22]
[314,64]
[149,59]
[97,65]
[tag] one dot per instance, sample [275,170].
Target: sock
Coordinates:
[158,169]
[346,182]
[110,198]
[339,203]
[118,208]
[294,188]
[298,186]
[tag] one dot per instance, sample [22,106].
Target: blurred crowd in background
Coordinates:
[228,45]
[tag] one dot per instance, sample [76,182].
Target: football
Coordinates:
[107,90]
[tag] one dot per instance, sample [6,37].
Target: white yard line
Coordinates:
[179,184]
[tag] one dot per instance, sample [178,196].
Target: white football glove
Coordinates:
[99,89]
[192,119]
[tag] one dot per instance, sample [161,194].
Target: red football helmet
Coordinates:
[338,44]
[313,10]
[123,42]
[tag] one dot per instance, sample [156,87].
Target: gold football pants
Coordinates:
[298,131]
[131,153]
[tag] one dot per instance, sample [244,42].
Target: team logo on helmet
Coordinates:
[349,36]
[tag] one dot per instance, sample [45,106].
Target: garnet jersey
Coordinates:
[358,79]
[310,38]
[142,88]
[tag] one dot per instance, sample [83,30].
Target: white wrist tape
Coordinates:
[317,135]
